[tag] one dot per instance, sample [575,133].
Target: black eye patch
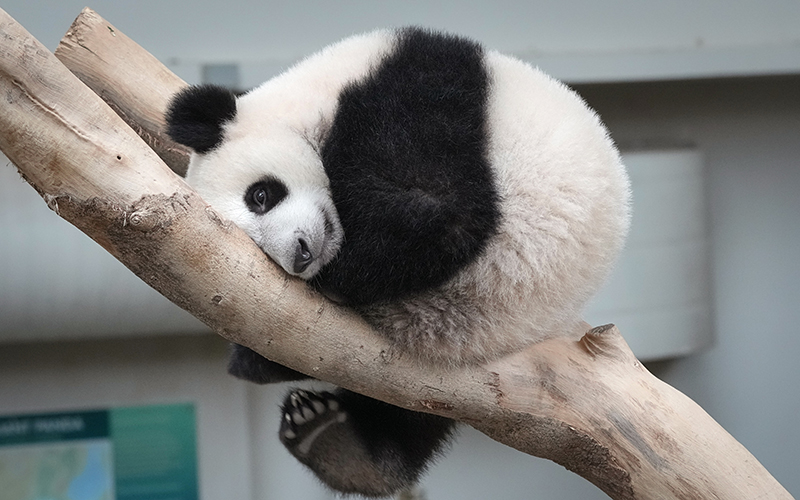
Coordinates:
[265,194]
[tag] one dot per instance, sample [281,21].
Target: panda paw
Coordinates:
[306,415]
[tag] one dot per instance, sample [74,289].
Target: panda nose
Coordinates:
[302,256]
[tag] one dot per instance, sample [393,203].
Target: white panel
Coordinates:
[656,277]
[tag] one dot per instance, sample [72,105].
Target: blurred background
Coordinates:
[703,98]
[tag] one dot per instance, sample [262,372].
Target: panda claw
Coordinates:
[306,415]
[297,418]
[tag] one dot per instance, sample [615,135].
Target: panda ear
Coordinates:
[196,115]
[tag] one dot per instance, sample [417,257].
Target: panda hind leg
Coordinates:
[246,364]
[356,444]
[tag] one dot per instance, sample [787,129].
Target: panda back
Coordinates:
[563,198]
[406,155]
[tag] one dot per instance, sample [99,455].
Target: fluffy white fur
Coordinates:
[565,201]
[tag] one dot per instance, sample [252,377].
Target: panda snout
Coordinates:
[302,256]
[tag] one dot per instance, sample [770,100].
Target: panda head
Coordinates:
[265,177]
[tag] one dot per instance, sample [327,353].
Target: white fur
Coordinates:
[565,201]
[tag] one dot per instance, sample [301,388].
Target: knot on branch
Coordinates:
[143,220]
[155,212]
[606,342]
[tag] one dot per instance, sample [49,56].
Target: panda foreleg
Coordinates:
[246,364]
[356,444]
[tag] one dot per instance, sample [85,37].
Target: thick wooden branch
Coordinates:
[582,401]
[92,50]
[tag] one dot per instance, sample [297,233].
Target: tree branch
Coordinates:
[93,49]
[582,401]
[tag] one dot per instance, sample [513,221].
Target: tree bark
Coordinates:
[582,400]
[93,50]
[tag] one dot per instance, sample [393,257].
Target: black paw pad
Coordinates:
[306,415]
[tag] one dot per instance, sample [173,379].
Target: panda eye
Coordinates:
[265,194]
[260,196]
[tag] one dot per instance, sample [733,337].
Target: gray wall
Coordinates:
[576,40]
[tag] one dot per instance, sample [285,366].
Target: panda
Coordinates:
[464,203]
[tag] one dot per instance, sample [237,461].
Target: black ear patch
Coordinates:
[196,115]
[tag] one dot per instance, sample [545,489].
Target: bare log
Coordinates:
[582,401]
[92,49]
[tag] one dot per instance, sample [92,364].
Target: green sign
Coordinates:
[137,453]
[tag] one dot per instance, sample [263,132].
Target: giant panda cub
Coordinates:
[464,203]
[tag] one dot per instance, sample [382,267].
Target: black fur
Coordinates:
[196,116]
[407,161]
[407,438]
[247,364]
[361,445]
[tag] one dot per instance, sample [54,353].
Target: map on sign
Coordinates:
[80,470]
[139,453]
